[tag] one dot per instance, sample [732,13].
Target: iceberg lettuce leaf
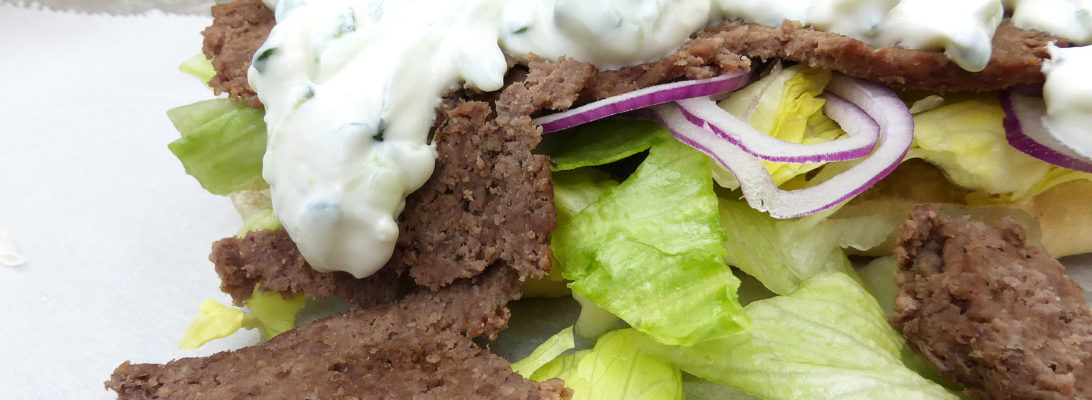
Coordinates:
[222,144]
[781,254]
[600,142]
[275,314]
[213,321]
[657,258]
[255,206]
[879,278]
[826,340]
[967,140]
[272,315]
[549,350]
[615,369]
[198,66]
[575,189]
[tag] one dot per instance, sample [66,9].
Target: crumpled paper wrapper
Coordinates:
[114,233]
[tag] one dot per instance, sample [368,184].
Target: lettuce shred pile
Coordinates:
[716,298]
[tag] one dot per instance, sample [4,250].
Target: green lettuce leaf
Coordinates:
[615,369]
[967,140]
[272,315]
[222,144]
[575,189]
[255,206]
[600,142]
[879,278]
[549,350]
[593,321]
[198,66]
[781,254]
[657,258]
[213,321]
[826,340]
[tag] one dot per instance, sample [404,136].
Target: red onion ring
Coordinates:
[1025,131]
[863,132]
[896,130]
[642,98]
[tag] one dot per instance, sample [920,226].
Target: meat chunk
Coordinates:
[416,348]
[237,30]
[1016,58]
[271,259]
[990,312]
[488,202]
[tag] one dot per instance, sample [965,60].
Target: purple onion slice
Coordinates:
[1025,131]
[896,131]
[642,98]
[862,129]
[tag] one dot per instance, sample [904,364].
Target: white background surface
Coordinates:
[115,234]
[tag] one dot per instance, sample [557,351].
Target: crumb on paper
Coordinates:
[9,256]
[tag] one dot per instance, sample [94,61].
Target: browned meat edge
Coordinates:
[989,312]
[272,259]
[489,201]
[414,348]
[1016,58]
[238,29]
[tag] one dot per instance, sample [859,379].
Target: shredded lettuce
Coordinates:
[879,278]
[213,321]
[255,206]
[272,315]
[600,142]
[657,260]
[222,144]
[275,314]
[614,369]
[782,254]
[198,66]
[575,189]
[967,140]
[549,350]
[593,321]
[826,340]
[700,389]
[787,106]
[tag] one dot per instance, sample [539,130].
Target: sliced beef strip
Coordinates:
[271,259]
[1016,58]
[237,30]
[241,27]
[989,312]
[488,202]
[416,348]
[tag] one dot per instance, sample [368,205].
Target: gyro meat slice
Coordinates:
[990,312]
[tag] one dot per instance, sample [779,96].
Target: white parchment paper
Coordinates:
[114,233]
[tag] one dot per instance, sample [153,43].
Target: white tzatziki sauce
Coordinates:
[351,86]
[1070,19]
[963,29]
[1068,96]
